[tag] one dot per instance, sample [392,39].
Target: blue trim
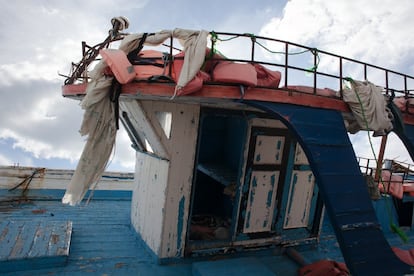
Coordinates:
[146,248]
[285,187]
[57,194]
[180,225]
[324,139]
[386,213]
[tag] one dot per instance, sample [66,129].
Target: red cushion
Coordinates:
[119,64]
[266,77]
[211,60]
[195,84]
[235,73]
[392,184]
[324,268]
[401,103]
[146,71]
[407,256]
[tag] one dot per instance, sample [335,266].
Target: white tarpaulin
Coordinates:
[368,106]
[99,117]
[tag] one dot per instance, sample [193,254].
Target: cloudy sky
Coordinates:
[38,127]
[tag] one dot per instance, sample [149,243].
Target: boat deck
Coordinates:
[104,243]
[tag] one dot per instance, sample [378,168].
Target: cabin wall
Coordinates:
[160,205]
[182,148]
[147,206]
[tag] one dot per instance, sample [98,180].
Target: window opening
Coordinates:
[165,119]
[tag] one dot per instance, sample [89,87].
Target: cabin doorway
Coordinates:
[221,140]
[253,185]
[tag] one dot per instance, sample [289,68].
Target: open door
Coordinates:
[268,151]
[303,207]
[280,199]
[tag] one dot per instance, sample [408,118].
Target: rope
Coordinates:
[314,51]
[27,180]
[214,38]
[393,226]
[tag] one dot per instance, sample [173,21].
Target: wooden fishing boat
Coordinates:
[237,158]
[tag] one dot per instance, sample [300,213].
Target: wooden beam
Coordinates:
[144,127]
[232,92]
[224,92]
[380,158]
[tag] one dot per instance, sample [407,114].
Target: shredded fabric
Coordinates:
[99,124]
[369,108]
[99,118]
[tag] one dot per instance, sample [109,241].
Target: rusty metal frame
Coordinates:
[90,54]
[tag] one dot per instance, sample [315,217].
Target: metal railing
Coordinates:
[391,86]
[404,171]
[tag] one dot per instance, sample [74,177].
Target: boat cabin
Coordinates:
[235,179]
[239,155]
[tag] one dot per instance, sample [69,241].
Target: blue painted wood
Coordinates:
[230,267]
[25,237]
[57,194]
[386,213]
[323,137]
[103,242]
[33,244]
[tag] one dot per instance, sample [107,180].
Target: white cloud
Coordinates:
[41,39]
[376,32]
[124,154]
[5,161]
[368,147]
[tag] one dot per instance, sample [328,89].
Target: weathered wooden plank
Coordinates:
[299,200]
[219,173]
[145,127]
[40,241]
[183,141]
[261,202]
[34,244]
[269,150]
[60,239]
[24,240]
[7,239]
[147,211]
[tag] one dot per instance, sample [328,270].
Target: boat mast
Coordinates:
[381,157]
